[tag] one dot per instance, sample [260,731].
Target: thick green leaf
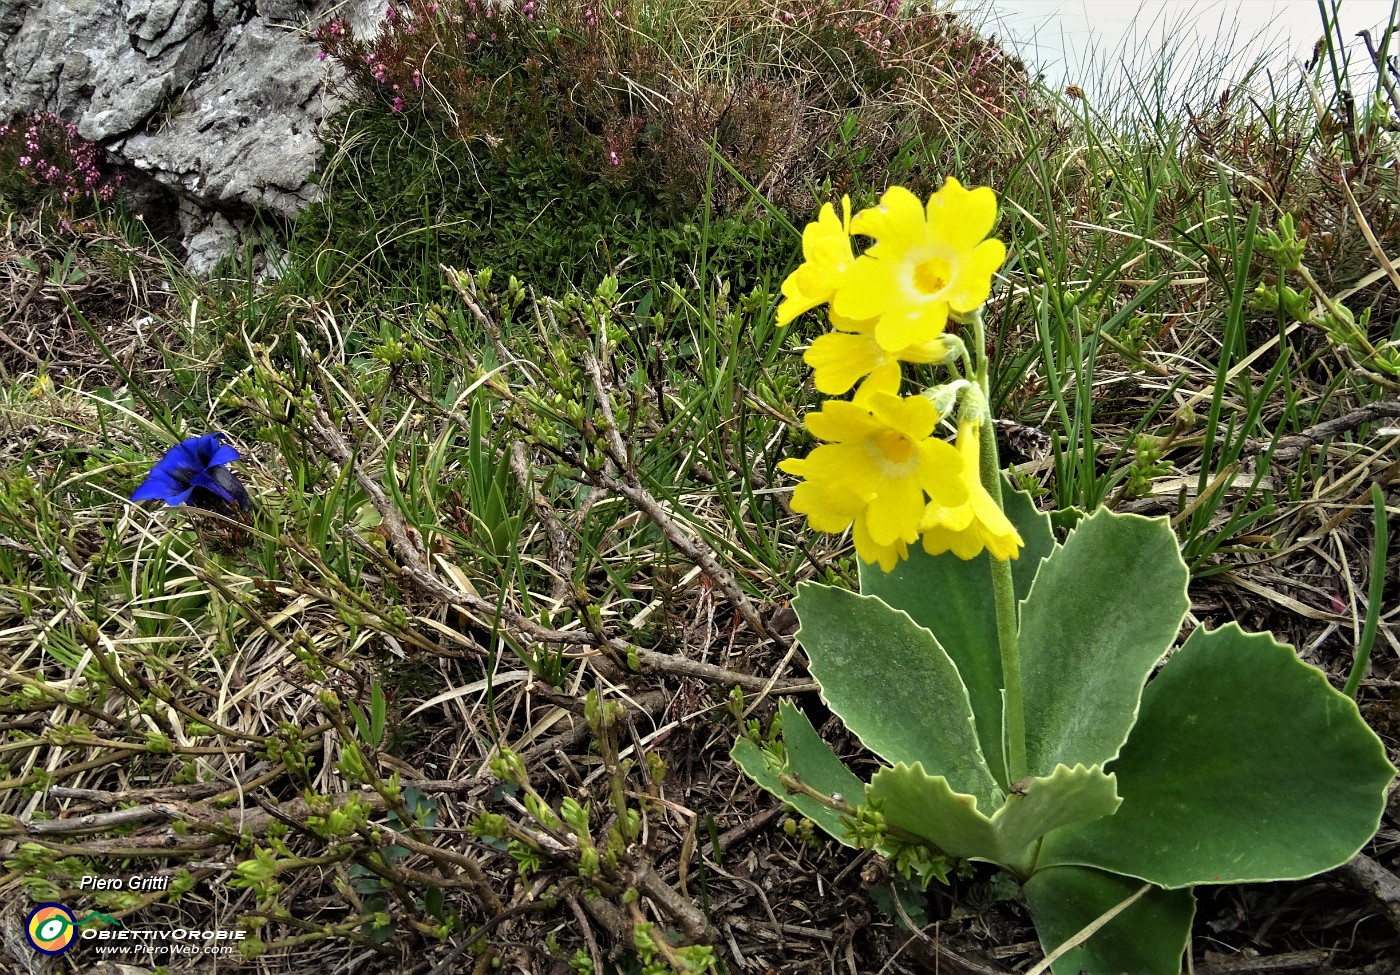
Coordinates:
[888,679]
[923,804]
[1244,765]
[813,761]
[1104,609]
[953,600]
[1148,938]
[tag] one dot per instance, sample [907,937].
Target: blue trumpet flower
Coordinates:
[193,472]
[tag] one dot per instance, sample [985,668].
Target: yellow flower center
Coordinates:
[932,276]
[896,447]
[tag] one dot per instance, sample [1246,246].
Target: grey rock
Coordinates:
[211,106]
[281,9]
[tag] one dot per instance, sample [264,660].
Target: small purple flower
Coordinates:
[193,472]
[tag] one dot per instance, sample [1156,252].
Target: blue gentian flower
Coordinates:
[193,472]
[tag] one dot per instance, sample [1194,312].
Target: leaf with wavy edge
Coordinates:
[893,685]
[1104,608]
[813,761]
[1244,765]
[925,805]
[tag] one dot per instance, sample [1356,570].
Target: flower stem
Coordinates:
[1003,589]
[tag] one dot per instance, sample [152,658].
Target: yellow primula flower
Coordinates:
[843,358]
[925,262]
[827,256]
[880,462]
[976,524]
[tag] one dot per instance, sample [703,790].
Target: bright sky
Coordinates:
[1056,36]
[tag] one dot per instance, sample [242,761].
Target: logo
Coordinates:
[52,928]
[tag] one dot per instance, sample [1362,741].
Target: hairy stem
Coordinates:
[1003,591]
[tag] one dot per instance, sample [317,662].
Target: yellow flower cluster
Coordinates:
[882,472]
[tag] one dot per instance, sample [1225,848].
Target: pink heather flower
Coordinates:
[471,37]
[398,104]
[615,160]
[390,13]
[617,13]
[417,79]
[320,55]
[24,160]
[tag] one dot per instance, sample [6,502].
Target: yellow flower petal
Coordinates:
[845,463]
[941,472]
[882,379]
[978,524]
[826,249]
[839,420]
[913,416]
[896,221]
[867,290]
[871,552]
[924,261]
[829,505]
[896,512]
[973,284]
[961,217]
[879,469]
[839,360]
[911,324]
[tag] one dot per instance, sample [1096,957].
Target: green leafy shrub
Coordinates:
[558,144]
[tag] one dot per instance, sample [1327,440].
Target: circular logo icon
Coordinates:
[51,929]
